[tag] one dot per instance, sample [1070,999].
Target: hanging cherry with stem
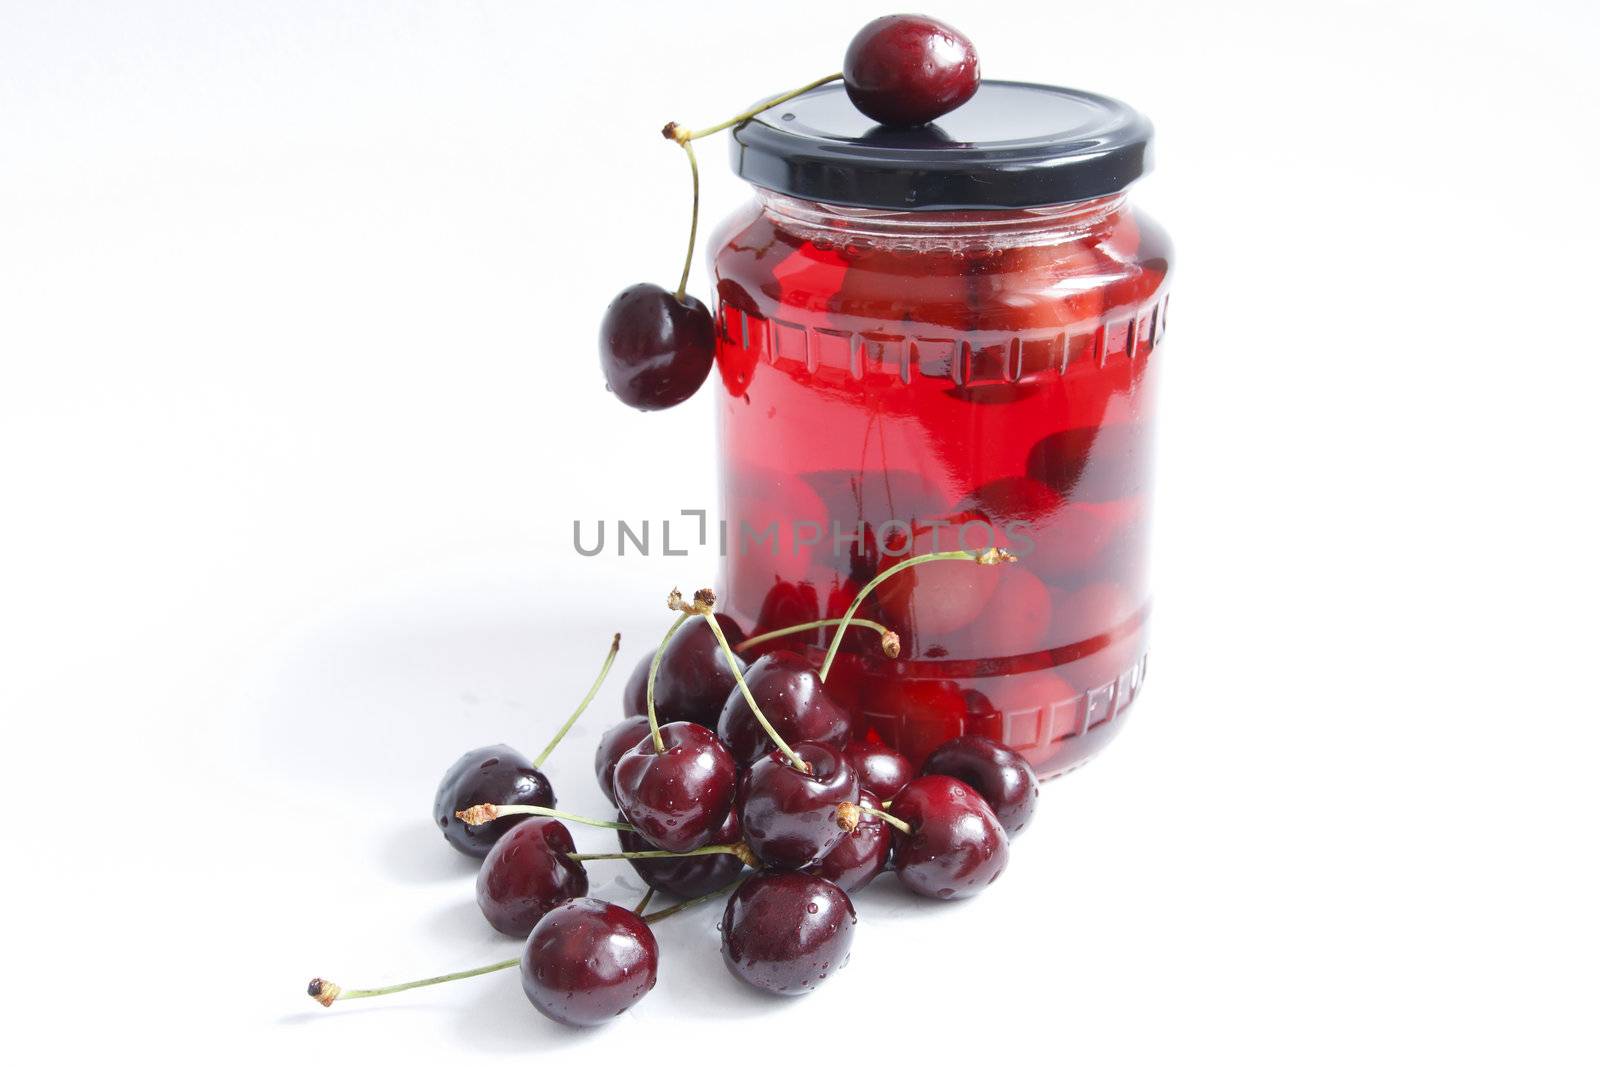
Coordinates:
[656,346]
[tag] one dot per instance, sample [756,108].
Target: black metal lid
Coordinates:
[1014,144]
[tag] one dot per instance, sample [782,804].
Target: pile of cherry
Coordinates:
[726,775]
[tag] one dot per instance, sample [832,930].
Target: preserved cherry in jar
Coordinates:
[942,338]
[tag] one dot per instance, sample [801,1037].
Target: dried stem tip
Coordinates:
[746,856]
[479,814]
[675,600]
[323,991]
[990,556]
[704,600]
[848,816]
[891,644]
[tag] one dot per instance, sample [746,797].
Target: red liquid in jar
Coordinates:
[894,384]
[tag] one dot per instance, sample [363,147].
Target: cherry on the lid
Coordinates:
[907,70]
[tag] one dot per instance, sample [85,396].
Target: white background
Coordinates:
[299,400]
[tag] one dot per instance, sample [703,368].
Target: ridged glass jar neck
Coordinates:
[927,230]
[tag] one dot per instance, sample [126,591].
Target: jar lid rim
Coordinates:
[1013,145]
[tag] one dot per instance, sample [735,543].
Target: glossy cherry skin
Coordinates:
[527,873]
[790,694]
[906,70]
[494,774]
[678,798]
[655,350]
[956,846]
[879,768]
[588,961]
[694,677]
[688,876]
[784,932]
[861,855]
[791,818]
[1001,776]
[613,743]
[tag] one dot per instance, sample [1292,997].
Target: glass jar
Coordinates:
[935,339]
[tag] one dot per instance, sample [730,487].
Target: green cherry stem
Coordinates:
[738,848]
[704,601]
[673,600]
[685,905]
[644,901]
[891,640]
[694,221]
[325,992]
[684,138]
[988,557]
[605,669]
[674,132]
[479,814]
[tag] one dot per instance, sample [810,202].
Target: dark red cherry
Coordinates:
[861,855]
[494,774]
[956,846]
[588,961]
[906,70]
[688,876]
[655,350]
[998,773]
[694,677]
[790,694]
[527,873]
[878,768]
[784,932]
[791,817]
[676,799]
[613,743]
